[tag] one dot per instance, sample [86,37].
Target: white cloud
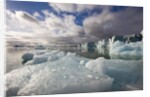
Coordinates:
[71,7]
[25,17]
[61,27]
[24,26]
[63,7]
[20,21]
[37,15]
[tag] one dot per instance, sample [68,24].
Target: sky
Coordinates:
[50,23]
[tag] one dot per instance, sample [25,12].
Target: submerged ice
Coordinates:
[59,72]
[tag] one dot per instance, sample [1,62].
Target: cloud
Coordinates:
[51,28]
[27,28]
[64,7]
[20,21]
[36,14]
[26,17]
[62,27]
[23,28]
[107,23]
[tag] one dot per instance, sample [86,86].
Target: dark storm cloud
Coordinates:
[106,24]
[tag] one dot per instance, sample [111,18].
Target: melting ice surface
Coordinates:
[53,72]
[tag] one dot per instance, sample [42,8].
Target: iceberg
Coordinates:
[84,47]
[65,75]
[102,47]
[125,73]
[26,57]
[129,47]
[88,47]
[128,51]
[122,47]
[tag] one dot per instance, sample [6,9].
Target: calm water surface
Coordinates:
[14,55]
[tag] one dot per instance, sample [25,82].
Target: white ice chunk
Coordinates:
[60,54]
[47,56]
[65,74]
[128,51]
[52,58]
[29,62]
[82,62]
[71,54]
[89,76]
[60,76]
[102,47]
[123,71]
[40,59]
[96,65]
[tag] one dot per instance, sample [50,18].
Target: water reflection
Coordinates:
[13,57]
[14,54]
